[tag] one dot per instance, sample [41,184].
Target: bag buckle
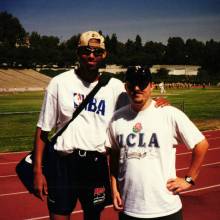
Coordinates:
[82,153]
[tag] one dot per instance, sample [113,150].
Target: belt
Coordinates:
[86,153]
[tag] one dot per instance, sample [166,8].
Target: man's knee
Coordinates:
[54,216]
[92,214]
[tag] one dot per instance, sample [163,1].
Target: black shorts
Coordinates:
[81,175]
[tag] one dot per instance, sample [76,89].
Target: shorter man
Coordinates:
[144,140]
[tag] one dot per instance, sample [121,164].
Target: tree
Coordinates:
[72,43]
[67,50]
[112,46]
[138,43]
[23,56]
[203,76]
[194,52]
[11,31]
[154,53]
[162,74]
[35,40]
[211,59]
[175,53]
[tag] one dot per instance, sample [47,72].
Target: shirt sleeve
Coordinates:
[187,131]
[121,97]
[112,136]
[108,142]
[49,110]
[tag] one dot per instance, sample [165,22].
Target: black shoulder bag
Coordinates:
[24,168]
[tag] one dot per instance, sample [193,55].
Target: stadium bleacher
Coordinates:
[12,80]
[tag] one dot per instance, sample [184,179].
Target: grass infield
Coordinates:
[19,113]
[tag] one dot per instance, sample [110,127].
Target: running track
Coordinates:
[201,202]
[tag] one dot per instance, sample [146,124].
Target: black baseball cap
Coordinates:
[138,76]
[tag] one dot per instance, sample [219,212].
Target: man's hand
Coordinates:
[177,185]
[40,185]
[161,102]
[117,201]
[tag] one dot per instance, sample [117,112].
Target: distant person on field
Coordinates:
[80,170]
[162,88]
[143,155]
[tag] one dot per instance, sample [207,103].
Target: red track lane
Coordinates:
[21,206]
[7,168]
[12,157]
[26,206]
[213,156]
[14,186]
[199,203]
[208,176]
[202,207]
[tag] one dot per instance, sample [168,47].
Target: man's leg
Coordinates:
[62,197]
[59,217]
[123,216]
[94,190]
[93,202]
[92,215]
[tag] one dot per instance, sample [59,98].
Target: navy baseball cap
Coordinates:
[138,76]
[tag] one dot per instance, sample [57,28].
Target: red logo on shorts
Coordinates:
[99,195]
[98,191]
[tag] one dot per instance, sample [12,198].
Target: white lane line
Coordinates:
[213,138]
[73,213]
[6,163]
[179,169]
[7,176]
[184,168]
[204,165]
[110,206]
[190,152]
[211,131]
[17,152]
[200,189]
[179,154]
[43,217]
[12,194]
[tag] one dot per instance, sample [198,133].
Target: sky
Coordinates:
[153,20]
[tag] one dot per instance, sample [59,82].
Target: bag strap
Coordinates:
[103,81]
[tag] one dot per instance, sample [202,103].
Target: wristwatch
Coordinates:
[189,180]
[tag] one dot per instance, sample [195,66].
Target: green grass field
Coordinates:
[19,113]
[198,103]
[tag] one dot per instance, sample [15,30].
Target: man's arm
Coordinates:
[40,184]
[198,154]
[114,163]
[117,201]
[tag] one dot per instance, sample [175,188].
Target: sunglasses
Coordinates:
[88,50]
[141,84]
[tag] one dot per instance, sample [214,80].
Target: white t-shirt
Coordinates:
[147,144]
[88,130]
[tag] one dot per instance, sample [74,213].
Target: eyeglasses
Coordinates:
[88,50]
[141,84]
